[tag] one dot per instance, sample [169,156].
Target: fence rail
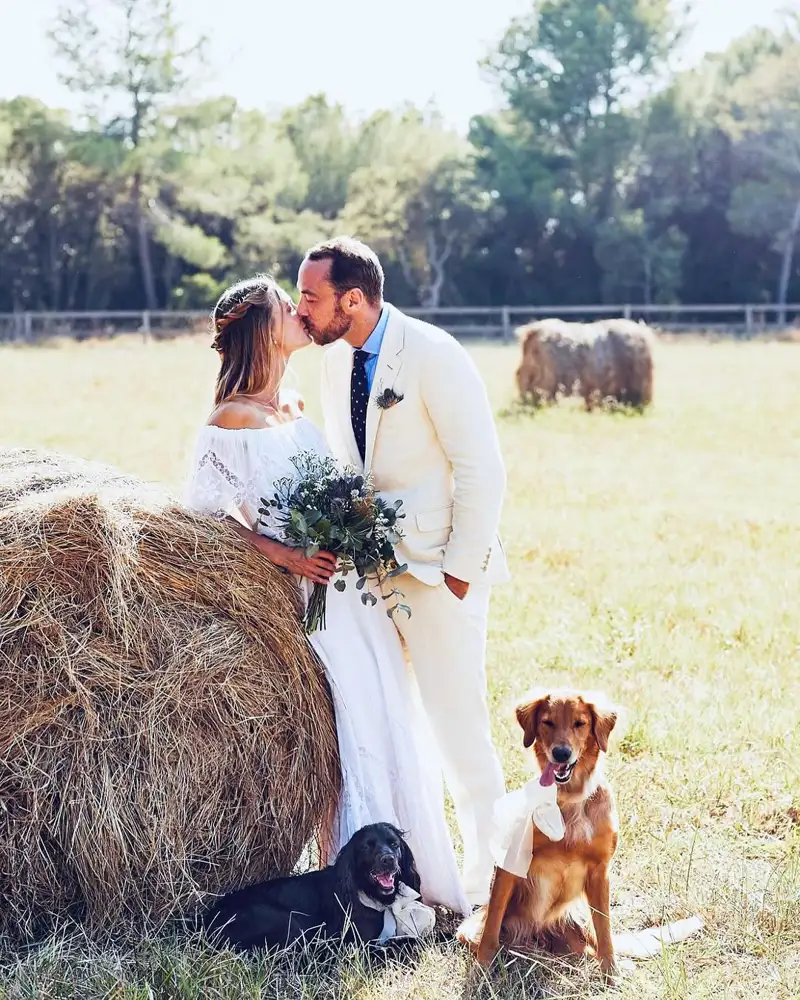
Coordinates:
[464,322]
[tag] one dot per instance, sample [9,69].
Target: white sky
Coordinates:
[366,54]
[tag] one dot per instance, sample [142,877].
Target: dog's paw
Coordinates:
[470,930]
[611,973]
[471,933]
[472,945]
[487,952]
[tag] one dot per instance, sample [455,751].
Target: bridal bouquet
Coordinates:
[339,511]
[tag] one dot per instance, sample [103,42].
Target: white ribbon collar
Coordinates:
[405,917]
[515,816]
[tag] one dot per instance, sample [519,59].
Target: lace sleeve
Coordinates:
[217,483]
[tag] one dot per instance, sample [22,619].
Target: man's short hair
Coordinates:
[353,265]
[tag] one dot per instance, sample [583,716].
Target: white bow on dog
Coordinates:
[515,815]
[405,917]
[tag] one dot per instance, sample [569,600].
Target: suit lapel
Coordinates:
[390,361]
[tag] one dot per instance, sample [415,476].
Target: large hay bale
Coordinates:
[603,361]
[165,729]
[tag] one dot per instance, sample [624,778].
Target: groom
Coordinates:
[404,401]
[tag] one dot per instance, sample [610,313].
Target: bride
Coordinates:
[248,444]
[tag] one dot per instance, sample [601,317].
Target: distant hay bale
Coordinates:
[165,729]
[610,360]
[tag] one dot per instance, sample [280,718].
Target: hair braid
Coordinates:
[242,320]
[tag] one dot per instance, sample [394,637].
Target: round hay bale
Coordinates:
[630,345]
[555,359]
[610,360]
[165,728]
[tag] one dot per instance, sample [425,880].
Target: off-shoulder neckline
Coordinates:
[254,430]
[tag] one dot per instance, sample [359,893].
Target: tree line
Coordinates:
[604,177]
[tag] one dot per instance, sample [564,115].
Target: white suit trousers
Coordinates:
[446,642]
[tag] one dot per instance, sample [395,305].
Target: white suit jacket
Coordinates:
[436,450]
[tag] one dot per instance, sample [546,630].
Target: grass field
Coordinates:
[656,557]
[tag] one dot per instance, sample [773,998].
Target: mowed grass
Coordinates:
[655,557]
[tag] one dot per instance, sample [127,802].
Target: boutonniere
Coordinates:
[388,398]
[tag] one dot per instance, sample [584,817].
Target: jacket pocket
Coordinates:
[435,520]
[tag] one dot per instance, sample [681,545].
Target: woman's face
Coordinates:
[290,333]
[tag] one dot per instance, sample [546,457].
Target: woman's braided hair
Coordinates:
[243,321]
[236,301]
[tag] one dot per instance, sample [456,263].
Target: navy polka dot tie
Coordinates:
[359,397]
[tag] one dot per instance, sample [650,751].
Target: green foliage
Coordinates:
[326,508]
[568,71]
[763,118]
[602,177]
[417,201]
[639,265]
[197,291]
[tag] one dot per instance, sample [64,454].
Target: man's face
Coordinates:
[320,307]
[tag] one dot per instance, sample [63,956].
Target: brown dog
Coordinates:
[568,732]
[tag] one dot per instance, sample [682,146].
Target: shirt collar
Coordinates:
[372,345]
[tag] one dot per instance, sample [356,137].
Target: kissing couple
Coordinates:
[403,401]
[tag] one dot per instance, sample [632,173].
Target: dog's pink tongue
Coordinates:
[385,881]
[548,775]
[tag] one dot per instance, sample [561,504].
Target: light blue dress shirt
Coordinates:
[373,346]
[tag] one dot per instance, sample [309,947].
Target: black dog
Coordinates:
[323,903]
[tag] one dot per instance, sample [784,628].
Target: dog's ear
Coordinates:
[408,868]
[528,713]
[345,888]
[604,718]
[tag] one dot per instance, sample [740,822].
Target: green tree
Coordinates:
[328,150]
[126,57]
[236,197]
[764,119]
[57,209]
[639,263]
[571,72]
[558,161]
[685,174]
[416,201]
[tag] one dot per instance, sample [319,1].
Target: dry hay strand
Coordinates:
[607,361]
[165,728]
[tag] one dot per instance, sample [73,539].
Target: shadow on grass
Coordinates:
[531,405]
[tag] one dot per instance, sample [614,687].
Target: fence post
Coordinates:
[146,325]
[626,312]
[748,320]
[508,333]
[27,326]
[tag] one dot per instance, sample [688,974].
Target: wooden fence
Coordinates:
[498,323]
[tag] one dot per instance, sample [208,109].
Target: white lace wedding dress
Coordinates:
[390,772]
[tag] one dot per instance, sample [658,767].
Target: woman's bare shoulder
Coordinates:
[237,415]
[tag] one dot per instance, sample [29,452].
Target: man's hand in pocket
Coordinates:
[456,587]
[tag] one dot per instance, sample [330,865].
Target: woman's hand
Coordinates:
[319,568]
